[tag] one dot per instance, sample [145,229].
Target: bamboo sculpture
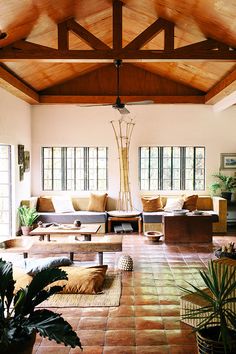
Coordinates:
[123,129]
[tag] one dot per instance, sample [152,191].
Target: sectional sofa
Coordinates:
[216,206]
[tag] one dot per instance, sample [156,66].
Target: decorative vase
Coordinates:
[26,230]
[207,342]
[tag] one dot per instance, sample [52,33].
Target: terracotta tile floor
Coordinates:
[147,320]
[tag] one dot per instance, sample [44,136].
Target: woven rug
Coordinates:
[109,297]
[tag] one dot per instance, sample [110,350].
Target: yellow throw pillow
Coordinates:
[152,203]
[45,204]
[82,280]
[190,202]
[97,202]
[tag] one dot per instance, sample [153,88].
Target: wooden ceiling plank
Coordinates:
[222,89]
[54,99]
[63,36]
[86,36]
[26,45]
[147,35]
[117,25]
[15,86]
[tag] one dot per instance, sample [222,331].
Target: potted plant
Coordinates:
[20,321]
[216,328]
[27,218]
[227,184]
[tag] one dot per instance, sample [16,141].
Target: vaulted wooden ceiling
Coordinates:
[173,51]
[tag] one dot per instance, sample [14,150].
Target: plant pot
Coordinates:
[21,347]
[207,342]
[26,230]
[226,195]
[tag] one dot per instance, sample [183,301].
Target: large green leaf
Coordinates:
[53,326]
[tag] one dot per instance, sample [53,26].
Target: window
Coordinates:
[172,168]
[74,168]
[5,190]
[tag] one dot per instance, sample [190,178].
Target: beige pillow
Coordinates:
[97,202]
[82,280]
[22,279]
[45,204]
[152,203]
[190,202]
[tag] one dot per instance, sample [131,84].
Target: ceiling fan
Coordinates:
[120,106]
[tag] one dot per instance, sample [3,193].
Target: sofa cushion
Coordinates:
[151,203]
[152,217]
[85,217]
[97,202]
[62,204]
[45,204]
[190,202]
[174,204]
[83,280]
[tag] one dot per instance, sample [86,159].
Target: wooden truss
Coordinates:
[208,49]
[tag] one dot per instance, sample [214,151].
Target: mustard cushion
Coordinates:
[83,280]
[22,279]
[190,202]
[45,204]
[152,203]
[97,202]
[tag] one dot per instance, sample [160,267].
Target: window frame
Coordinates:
[64,168]
[182,168]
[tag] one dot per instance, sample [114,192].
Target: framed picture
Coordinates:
[228,161]
[20,154]
[21,172]
[26,161]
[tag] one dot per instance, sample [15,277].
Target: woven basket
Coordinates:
[220,254]
[209,346]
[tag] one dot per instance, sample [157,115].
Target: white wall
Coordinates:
[71,125]
[15,128]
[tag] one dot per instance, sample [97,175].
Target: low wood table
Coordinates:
[187,228]
[87,230]
[98,244]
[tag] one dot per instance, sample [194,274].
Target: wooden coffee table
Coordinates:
[98,244]
[187,228]
[87,230]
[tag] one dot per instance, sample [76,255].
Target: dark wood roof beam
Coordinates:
[117,24]
[149,33]
[206,45]
[222,89]
[63,36]
[17,87]
[111,99]
[86,36]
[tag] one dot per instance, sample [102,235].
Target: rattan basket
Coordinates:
[208,346]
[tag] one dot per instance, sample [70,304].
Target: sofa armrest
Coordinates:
[30,203]
[220,207]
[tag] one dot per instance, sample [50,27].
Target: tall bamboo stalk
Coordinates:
[123,129]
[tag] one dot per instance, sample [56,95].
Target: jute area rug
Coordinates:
[110,295]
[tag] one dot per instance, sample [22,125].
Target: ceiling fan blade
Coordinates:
[123,110]
[140,102]
[93,104]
